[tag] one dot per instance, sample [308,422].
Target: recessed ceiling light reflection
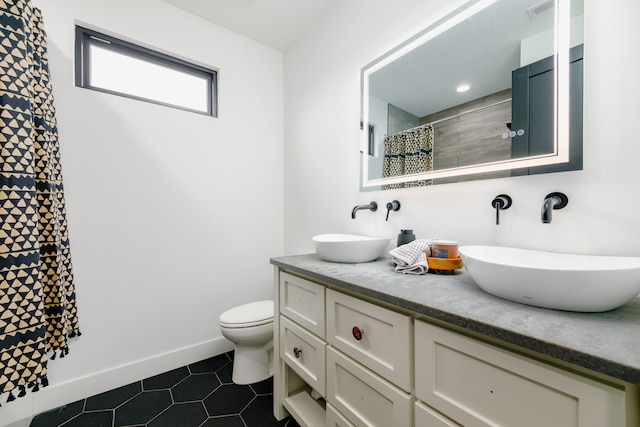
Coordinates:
[463,88]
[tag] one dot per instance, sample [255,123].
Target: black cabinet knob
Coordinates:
[297,352]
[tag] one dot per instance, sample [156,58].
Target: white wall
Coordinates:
[321,142]
[173,216]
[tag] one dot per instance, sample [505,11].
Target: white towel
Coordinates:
[410,258]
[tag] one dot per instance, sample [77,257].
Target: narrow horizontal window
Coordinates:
[106,64]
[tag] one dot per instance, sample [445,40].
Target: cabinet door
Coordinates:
[304,353]
[335,418]
[477,384]
[534,112]
[378,338]
[427,417]
[303,302]
[363,397]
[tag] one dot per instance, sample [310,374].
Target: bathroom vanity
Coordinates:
[361,345]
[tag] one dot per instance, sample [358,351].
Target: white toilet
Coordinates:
[250,328]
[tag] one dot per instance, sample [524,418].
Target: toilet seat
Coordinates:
[248,315]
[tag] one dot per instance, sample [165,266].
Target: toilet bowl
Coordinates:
[250,328]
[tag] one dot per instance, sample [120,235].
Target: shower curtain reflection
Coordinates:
[406,153]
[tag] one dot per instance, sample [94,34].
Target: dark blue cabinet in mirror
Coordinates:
[533,109]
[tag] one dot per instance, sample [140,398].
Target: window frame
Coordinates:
[85,38]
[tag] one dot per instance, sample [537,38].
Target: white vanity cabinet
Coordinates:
[369,375]
[478,384]
[304,353]
[299,350]
[345,360]
[377,337]
[340,360]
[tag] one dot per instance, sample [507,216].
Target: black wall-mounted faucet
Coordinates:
[373,206]
[501,202]
[551,202]
[392,206]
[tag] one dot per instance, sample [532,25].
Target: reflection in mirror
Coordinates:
[492,90]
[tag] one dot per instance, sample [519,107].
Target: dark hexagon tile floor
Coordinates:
[198,395]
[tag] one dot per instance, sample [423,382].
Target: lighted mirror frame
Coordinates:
[561,97]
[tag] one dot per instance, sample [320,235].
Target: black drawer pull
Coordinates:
[297,352]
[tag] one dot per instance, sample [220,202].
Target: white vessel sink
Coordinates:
[552,280]
[349,248]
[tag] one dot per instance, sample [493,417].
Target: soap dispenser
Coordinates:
[406,236]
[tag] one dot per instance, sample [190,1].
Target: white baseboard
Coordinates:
[20,423]
[60,394]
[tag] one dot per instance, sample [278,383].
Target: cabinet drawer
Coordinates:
[363,397]
[385,336]
[477,384]
[303,301]
[304,353]
[427,417]
[335,418]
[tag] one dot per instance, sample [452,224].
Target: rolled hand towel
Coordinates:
[410,258]
[421,266]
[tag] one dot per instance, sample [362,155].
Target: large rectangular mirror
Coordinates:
[494,89]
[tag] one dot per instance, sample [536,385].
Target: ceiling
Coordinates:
[275,23]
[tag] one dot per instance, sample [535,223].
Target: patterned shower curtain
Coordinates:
[37,293]
[408,152]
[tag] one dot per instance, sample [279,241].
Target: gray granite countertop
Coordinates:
[608,342]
